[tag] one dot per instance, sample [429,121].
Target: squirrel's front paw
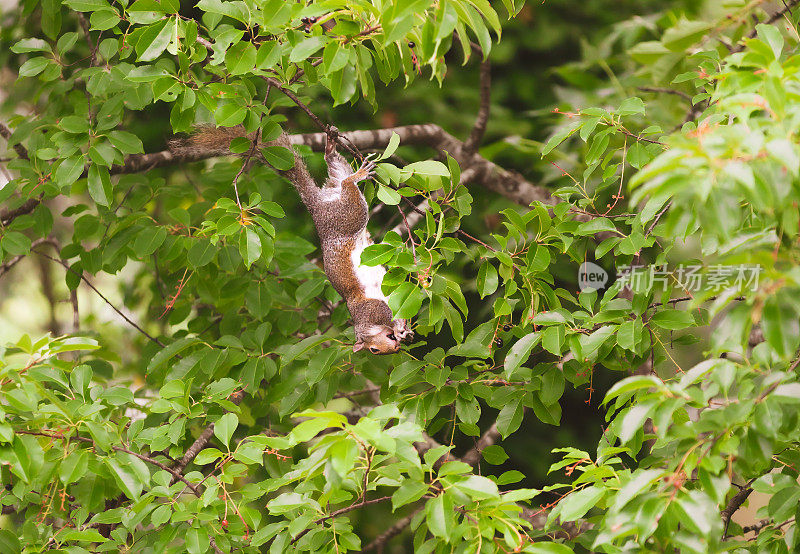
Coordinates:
[367,169]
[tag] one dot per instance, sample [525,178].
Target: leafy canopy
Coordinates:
[230,412]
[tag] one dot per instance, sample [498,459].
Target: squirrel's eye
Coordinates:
[391,336]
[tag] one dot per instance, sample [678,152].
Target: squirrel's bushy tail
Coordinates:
[207,140]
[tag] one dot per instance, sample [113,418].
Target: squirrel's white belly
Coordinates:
[370,277]
[330,194]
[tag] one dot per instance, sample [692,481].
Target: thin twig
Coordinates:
[92,45]
[664,90]
[787,8]
[339,512]
[149,460]
[106,300]
[319,123]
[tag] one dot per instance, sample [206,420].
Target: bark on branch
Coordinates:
[510,184]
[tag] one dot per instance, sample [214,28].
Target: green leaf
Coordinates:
[376,254]
[772,36]
[154,40]
[15,243]
[548,548]
[553,339]
[406,300]
[103,20]
[148,240]
[428,168]
[240,58]
[672,319]
[631,106]
[684,34]
[171,350]
[630,333]
[9,542]
[278,157]
[197,541]
[125,142]
[87,5]
[68,171]
[494,454]
[29,455]
[388,196]
[73,467]
[301,347]
[201,253]
[560,136]
[576,505]
[225,426]
[343,456]
[519,353]
[85,535]
[249,247]
[51,19]
[633,421]
[31,45]
[100,185]
[125,477]
[632,384]
[478,487]
[409,491]
[510,417]
[391,148]
[487,279]
[33,67]
[439,522]
[307,47]
[230,114]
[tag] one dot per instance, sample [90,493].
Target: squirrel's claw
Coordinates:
[366,171]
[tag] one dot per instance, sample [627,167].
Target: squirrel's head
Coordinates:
[383,339]
[378,339]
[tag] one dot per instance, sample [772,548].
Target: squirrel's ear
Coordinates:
[359,345]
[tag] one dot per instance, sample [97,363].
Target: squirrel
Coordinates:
[340,214]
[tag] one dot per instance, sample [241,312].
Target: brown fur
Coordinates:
[340,215]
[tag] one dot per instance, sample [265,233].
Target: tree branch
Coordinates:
[380,541]
[21,151]
[6,266]
[510,184]
[478,130]
[200,442]
[489,437]
[734,504]
[8,215]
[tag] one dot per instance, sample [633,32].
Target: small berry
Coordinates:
[224,522]
[506,327]
[412,44]
[498,342]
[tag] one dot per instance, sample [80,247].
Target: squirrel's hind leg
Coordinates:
[338,168]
